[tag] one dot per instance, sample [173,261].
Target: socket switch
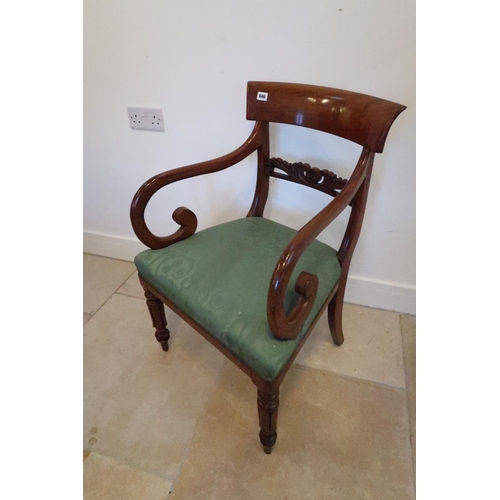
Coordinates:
[146,118]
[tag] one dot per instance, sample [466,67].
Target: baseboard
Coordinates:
[112,246]
[361,291]
[381,295]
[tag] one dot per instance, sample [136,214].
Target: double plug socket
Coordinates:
[145,118]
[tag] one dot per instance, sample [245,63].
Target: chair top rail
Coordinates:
[360,118]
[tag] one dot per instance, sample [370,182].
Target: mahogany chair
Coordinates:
[252,287]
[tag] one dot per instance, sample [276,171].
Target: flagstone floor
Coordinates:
[183,424]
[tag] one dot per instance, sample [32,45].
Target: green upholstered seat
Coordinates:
[220,278]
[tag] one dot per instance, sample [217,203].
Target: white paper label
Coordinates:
[261,96]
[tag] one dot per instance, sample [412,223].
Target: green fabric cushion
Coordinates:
[220,277]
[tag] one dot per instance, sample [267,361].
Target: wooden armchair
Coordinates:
[252,287]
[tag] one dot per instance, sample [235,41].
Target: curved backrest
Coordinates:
[360,118]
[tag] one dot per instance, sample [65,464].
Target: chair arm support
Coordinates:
[288,326]
[182,215]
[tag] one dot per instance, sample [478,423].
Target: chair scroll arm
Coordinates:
[288,326]
[182,215]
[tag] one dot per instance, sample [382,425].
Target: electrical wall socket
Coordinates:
[146,118]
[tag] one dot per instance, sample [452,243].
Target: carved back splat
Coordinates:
[303,173]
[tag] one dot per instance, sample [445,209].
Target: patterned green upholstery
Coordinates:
[220,277]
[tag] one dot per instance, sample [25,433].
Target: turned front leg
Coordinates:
[268,403]
[157,311]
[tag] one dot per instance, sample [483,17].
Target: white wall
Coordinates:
[193,58]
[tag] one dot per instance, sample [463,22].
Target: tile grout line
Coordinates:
[407,402]
[352,377]
[107,300]
[153,473]
[128,295]
[173,479]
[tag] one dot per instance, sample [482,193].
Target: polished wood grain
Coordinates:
[302,173]
[288,326]
[182,215]
[267,404]
[345,253]
[157,312]
[357,117]
[262,186]
[360,118]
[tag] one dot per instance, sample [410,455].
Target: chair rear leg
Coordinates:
[268,403]
[335,308]
[157,312]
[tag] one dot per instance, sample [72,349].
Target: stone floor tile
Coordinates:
[86,317]
[132,287]
[409,327]
[107,479]
[372,349]
[101,278]
[141,404]
[338,438]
